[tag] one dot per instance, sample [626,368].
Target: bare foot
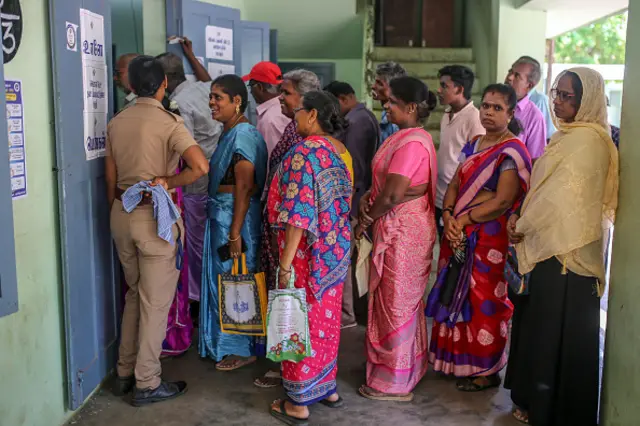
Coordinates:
[520,415]
[333,398]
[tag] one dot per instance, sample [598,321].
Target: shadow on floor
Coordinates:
[218,398]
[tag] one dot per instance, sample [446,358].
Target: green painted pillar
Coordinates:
[622,355]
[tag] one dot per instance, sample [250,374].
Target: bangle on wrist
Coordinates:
[233,240]
[286,271]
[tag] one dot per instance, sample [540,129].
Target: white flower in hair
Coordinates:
[173,105]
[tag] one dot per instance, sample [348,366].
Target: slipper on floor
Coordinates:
[271,379]
[236,363]
[469,385]
[522,418]
[287,419]
[386,397]
[333,404]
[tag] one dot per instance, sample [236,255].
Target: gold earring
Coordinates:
[237,109]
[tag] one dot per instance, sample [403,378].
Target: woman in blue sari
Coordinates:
[236,179]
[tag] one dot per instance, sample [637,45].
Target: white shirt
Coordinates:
[455,132]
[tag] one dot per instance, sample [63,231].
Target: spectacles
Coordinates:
[562,95]
[296,110]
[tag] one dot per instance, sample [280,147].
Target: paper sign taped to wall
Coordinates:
[95,134]
[219,43]
[15,126]
[95,87]
[216,70]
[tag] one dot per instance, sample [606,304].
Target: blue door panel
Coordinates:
[88,261]
[254,49]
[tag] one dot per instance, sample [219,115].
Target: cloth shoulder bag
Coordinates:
[288,336]
[242,301]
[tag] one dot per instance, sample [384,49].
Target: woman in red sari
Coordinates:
[470,331]
[401,208]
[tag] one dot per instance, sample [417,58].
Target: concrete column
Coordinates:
[622,354]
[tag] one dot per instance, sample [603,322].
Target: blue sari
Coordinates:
[245,140]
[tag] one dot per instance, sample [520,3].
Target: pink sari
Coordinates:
[403,242]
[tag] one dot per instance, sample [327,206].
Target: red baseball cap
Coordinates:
[265,72]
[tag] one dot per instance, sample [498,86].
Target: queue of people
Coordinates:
[318,173]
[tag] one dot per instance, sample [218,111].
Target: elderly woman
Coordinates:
[236,180]
[294,86]
[553,370]
[309,203]
[401,207]
[470,329]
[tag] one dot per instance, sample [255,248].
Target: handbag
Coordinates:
[288,336]
[519,283]
[242,299]
[456,262]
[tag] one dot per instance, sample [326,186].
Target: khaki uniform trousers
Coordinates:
[149,265]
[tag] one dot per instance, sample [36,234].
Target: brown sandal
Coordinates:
[369,393]
[230,364]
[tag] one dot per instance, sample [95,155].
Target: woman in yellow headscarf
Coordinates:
[553,369]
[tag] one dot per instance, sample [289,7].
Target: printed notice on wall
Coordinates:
[216,70]
[15,127]
[219,43]
[95,134]
[94,83]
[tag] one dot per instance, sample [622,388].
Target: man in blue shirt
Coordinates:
[381,92]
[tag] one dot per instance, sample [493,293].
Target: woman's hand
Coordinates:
[235,247]
[283,277]
[358,232]
[452,230]
[364,206]
[514,236]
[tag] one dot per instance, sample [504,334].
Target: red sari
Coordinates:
[470,335]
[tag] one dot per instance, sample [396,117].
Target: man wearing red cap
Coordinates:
[264,81]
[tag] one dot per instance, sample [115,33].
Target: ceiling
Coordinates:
[567,15]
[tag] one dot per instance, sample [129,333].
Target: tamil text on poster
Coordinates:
[94,83]
[219,43]
[15,127]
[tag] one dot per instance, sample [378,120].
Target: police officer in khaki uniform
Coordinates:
[145,142]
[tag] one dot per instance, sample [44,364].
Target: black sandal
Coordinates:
[333,404]
[287,419]
[468,384]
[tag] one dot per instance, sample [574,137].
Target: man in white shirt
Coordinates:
[460,123]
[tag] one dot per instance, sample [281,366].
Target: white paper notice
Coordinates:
[94,83]
[95,86]
[219,42]
[92,37]
[216,70]
[95,134]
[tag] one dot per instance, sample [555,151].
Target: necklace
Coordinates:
[498,140]
[236,122]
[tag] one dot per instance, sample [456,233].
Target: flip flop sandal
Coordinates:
[385,397]
[271,379]
[287,419]
[522,417]
[469,385]
[235,364]
[333,404]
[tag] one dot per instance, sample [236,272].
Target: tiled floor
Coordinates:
[217,398]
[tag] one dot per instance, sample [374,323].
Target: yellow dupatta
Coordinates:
[574,189]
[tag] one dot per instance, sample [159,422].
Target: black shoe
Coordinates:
[164,392]
[123,385]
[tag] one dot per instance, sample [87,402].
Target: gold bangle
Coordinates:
[235,239]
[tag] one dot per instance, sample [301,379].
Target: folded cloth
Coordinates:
[164,210]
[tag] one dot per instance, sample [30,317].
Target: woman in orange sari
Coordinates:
[400,206]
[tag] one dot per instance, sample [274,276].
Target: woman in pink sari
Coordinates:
[400,206]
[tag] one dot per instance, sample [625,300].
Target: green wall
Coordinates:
[622,370]
[31,359]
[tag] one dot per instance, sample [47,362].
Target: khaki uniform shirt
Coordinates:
[146,141]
